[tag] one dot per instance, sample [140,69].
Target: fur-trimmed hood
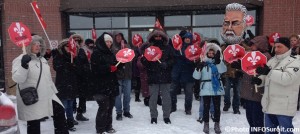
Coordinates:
[215,47]
[62,44]
[81,42]
[165,37]
[36,38]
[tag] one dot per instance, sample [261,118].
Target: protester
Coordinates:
[26,70]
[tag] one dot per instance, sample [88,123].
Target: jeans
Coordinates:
[272,121]
[188,91]
[201,108]
[68,104]
[254,114]
[125,88]
[235,84]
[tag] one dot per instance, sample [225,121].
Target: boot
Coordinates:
[200,120]
[137,99]
[217,128]
[128,115]
[153,120]
[226,107]
[111,130]
[167,120]
[236,111]
[146,101]
[206,127]
[75,122]
[70,125]
[80,117]
[119,117]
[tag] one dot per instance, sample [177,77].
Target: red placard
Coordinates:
[137,40]
[94,34]
[252,60]
[273,37]
[153,53]
[233,53]
[19,34]
[196,38]
[249,20]
[193,52]
[125,55]
[177,42]
[72,47]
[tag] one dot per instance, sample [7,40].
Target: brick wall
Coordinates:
[281,16]
[20,10]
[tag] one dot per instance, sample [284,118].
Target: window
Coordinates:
[142,21]
[208,19]
[111,22]
[178,20]
[81,22]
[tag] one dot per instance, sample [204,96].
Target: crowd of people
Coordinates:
[93,74]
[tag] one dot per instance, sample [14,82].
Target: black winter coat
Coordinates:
[66,76]
[101,61]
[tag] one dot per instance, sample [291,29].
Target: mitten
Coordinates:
[25,60]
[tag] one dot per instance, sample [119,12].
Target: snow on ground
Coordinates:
[140,123]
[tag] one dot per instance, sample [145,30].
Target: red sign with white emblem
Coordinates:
[273,37]
[19,34]
[252,60]
[233,53]
[153,53]
[192,52]
[137,40]
[249,20]
[125,55]
[196,38]
[177,42]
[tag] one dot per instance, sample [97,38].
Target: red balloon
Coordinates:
[233,53]
[249,20]
[196,38]
[177,42]
[19,34]
[137,40]
[152,53]
[273,37]
[125,55]
[252,60]
[193,52]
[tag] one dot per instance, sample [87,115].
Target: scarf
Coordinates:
[214,76]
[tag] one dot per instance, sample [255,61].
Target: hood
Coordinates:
[165,37]
[115,33]
[215,47]
[262,43]
[81,42]
[100,43]
[36,38]
[61,45]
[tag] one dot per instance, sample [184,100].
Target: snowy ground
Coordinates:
[140,123]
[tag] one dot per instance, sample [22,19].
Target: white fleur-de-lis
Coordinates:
[126,53]
[248,18]
[18,29]
[275,37]
[194,37]
[253,58]
[234,50]
[136,37]
[193,49]
[150,51]
[176,38]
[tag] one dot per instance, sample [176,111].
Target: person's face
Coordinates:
[294,41]
[36,47]
[118,38]
[157,37]
[91,45]
[210,54]
[280,49]
[233,27]
[108,44]
[187,40]
[67,48]
[77,40]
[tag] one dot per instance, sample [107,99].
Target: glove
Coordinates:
[200,66]
[113,68]
[236,64]
[25,60]
[238,74]
[217,57]
[263,70]
[163,65]
[256,80]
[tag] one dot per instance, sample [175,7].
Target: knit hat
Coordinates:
[107,38]
[261,42]
[285,41]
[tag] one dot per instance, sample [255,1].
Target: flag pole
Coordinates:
[41,23]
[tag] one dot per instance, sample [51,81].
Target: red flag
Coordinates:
[94,34]
[72,47]
[38,14]
[88,55]
[158,25]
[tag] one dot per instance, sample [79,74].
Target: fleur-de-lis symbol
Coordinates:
[193,50]
[275,36]
[18,29]
[248,18]
[150,51]
[253,58]
[194,37]
[136,37]
[234,50]
[176,39]
[126,53]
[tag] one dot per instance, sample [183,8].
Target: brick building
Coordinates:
[136,16]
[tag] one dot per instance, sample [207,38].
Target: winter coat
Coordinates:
[183,68]
[66,73]
[248,90]
[124,73]
[157,74]
[205,75]
[281,85]
[29,78]
[101,61]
